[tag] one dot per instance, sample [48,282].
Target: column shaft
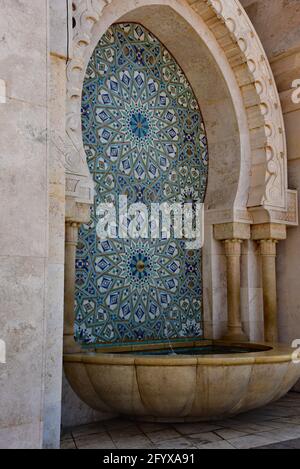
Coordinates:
[233,255]
[268,253]
[70,259]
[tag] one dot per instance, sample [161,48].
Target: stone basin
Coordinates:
[147,383]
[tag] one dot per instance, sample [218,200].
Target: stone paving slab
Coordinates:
[292,444]
[276,426]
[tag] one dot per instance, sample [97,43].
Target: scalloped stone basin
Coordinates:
[150,384]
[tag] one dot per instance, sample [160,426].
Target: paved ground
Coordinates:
[276,426]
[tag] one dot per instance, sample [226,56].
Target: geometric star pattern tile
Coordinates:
[144,137]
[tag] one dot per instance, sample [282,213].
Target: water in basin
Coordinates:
[194,351]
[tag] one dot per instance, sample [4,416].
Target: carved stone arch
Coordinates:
[261,192]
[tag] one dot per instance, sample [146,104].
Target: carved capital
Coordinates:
[233,247]
[239,231]
[287,216]
[77,212]
[269,231]
[72,233]
[268,247]
[243,49]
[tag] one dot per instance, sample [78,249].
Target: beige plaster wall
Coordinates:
[278,25]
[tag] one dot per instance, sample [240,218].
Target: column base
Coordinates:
[70,346]
[235,336]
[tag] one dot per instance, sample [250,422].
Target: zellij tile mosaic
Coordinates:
[144,138]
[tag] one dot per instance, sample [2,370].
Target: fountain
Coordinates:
[146,382]
[146,139]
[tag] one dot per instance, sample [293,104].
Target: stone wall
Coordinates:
[33,54]
[75,411]
[277,23]
[60,49]
[24,219]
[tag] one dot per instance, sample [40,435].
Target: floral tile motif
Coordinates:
[144,138]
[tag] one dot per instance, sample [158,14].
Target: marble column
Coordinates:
[233,250]
[233,235]
[59,27]
[71,242]
[268,235]
[268,255]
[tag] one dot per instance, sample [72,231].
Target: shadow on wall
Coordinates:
[76,412]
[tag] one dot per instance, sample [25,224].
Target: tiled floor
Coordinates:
[274,426]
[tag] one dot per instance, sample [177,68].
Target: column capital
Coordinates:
[233,247]
[77,212]
[231,231]
[268,247]
[72,228]
[268,231]
[73,224]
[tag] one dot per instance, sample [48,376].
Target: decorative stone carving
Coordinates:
[288,216]
[79,184]
[269,231]
[226,231]
[236,35]
[243,49]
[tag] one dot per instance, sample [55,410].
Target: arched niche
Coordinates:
[218,48]
[222,57]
